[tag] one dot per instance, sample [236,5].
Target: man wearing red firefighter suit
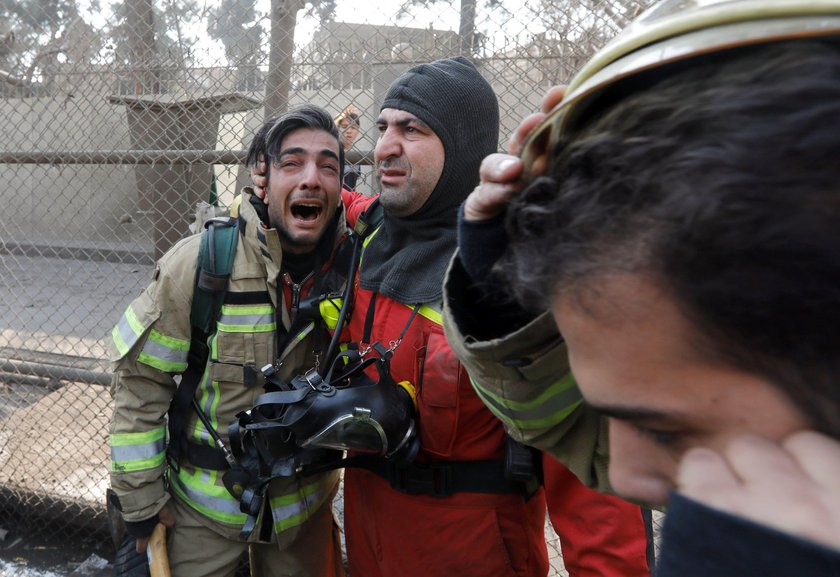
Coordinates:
[452,512]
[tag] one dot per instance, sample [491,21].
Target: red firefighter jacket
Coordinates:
[389,532]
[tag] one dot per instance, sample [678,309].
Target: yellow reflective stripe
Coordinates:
[298,338]
[170,342]
[260,328]
[125,439]
[214,408]
[126,332]
[247,319]
[207,498]
[306,330]
[292,510]
[365,243]
[165,353]
[204,391]
[548,408]
[432,314]
[119,343]
[138,464]
[370,236]
[138,451]
[210,395]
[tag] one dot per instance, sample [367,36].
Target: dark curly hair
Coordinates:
[721,183]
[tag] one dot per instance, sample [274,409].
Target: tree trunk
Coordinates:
[466,27]
[281,53]
[140,23]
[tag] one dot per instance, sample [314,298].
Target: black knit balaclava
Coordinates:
[407,258]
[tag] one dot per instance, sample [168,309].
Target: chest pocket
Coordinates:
[242,344]
[439,375]
[245,330]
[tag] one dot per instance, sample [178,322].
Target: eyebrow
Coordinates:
[301,150]
[403,122]
[630,413]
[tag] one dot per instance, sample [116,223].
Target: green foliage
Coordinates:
[235,24]
[170,19]
[32,27]
[37,17]
[472,39]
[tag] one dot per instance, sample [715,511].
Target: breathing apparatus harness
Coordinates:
[215,262]
[297,427]
[343,408]
[300,427]
[517,473]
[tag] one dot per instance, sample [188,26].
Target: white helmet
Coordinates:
[670,36]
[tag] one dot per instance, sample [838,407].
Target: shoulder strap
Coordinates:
[215,262]
[366,224]
[213,269]
[370,219]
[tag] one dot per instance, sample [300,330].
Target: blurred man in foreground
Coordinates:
[680,223]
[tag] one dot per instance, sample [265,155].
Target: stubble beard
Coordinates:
[396,200]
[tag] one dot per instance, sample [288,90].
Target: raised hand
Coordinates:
[793,486]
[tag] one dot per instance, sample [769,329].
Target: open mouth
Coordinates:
[306,211]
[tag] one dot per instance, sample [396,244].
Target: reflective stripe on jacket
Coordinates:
[489,533]
[151,343]
[525,380]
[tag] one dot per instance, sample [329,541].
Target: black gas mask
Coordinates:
[345,410]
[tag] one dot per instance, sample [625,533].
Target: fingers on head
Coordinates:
[552,98]
[705,476]
[520,135]
[752,457]
[500,168]
[817,455]
[703,469]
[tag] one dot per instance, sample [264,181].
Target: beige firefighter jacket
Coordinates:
[151,342]
[524,379]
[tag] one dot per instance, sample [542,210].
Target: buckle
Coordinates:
[173,463]
[434,479]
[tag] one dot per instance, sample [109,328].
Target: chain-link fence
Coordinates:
[117,119]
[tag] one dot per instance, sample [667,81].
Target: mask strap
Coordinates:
[369,321]
[392,346]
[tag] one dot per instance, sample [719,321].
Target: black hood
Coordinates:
[407,258]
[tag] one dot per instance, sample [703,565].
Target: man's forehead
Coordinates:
[300,139]
[395,115]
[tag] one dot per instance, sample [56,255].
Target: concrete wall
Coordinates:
[70,203]
[100,205]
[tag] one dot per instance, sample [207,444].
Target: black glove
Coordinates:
[130,563]
[480,245]
[140,529]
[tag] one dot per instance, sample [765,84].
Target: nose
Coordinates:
[387,145]
[310,176]
[638,470]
